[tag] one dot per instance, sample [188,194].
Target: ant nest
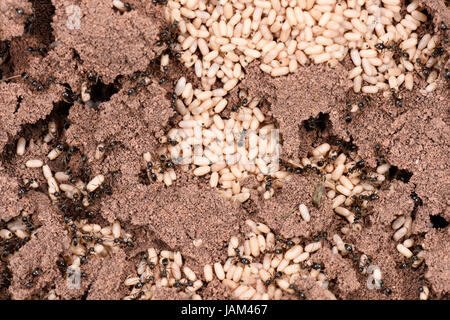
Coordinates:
[219,39]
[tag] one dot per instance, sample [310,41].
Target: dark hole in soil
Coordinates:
[85,294]
[76,56]
[429,16]
[39,22]
[60,113]
[438,221]
[142,177]
[5,281]
[61,109]
[6,67]
[319,123]
[101,92]
[19,101]
[399,174]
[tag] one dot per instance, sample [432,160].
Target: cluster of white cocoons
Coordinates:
[249,271]
[163,269]
[255,270]
[226,149]
[220,38]
[402,226]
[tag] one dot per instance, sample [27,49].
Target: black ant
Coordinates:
[238,258]
[25,188]
[277,275]
[68,96]
[397,100]
[182,285]
[164,263]
[297,291]
[343,146]
[348,109]
[285,243]
[68,156]
[397,51]
[109,146]
[319,123]
[62,265]
[418,202]
[92,76]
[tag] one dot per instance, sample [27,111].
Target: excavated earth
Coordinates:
[117,49]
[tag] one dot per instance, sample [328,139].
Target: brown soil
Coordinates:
[11,21]
[113,53]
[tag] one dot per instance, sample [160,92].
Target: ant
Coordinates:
[25,187]
[319,123]
[397,100]
[68,156]
[109,146]
[182,284]
[297,291]
[285,243]
[277,275]
[92,77]
[283,246]
[393,48]
[238,258]
[164,263]
[68,96]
